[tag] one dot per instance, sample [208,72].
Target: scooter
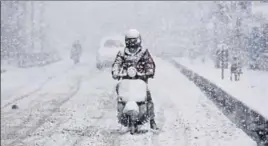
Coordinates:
[132,94]
[75,57]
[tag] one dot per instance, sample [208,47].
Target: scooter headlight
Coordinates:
[132,71]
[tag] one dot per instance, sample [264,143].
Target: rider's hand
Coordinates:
[115,75]
[118,75]
[140,74]
[123,73]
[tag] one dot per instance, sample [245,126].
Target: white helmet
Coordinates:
[132,33]
[133,40]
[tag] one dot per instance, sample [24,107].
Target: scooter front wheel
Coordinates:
[132,126]
[132,129]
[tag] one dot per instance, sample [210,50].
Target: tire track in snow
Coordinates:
[24,124]
[41,121]
[29,93]
[37,89]
[168,118]
[50,132]
[162,119]
[89,131]
[109,137]
[10,114]
[104,102]
[174,129]
[58,131]
[105,105]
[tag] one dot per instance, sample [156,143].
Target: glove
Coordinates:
[141,74]
[115,75]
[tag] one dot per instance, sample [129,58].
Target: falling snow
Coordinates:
[60,101]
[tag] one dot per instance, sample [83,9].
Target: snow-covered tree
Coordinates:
[11,25]
[22,29]
[231,26]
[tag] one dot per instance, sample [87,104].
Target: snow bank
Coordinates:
[252,89]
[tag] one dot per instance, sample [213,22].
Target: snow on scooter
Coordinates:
[132,93]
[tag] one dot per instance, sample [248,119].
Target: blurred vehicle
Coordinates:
[108,50]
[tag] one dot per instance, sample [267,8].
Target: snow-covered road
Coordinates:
[252,89]
[77,107]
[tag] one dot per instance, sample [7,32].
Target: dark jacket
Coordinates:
[142,61]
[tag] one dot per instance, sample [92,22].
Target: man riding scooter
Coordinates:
[76,51]
[134,53]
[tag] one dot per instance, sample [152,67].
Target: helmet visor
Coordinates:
[132,42]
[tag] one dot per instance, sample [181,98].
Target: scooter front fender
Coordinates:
[131,106]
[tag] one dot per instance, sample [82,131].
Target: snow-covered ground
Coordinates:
[19,82]
[252,89]
[77,107]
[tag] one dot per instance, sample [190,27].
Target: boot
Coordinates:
[153,125]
